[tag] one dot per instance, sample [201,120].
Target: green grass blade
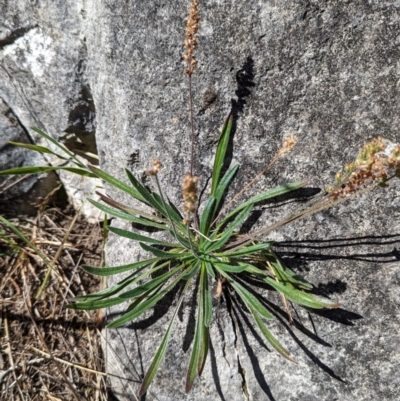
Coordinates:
[247,250]
[230,268]
[45,169]
[145,193]
[59,146]
[142,238]
[223,185]
[272,193]
[37,148]
[226,235]
[198,339]
[270,338]
[159,355]
[96,304]
[302,297]
[144,306]
[193,270]
[125,216]
[162,254]
[220,153]
[150,285]
[129,210]
[207,216]
[117,183]
[109,271]
[250,300]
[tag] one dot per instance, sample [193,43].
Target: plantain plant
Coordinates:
[206,249]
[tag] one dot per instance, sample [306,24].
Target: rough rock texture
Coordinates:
[326,71]
[43,82]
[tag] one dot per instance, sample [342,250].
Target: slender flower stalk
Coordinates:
[190,43]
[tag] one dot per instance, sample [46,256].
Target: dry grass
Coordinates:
[49,352]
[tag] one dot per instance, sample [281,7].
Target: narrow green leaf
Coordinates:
[192,271]
[207,306]
[272,193]
[117,183]
[125,216]
[197,341]
[150,285]
[138,275]
[210,270]
[226,235]
[204,347]
[37,148]
[162,254]
[220,153]
[60,146]
[222,187]
[230,268]
[250,300]
[173,213]
[145,193]
[286,274]
[142,238]
[144,306]
[107,292]
[159,355]
[247,250]
[130,210]
[109,271]
[45,169]
[270,338]
[207,216]
[205,299]
[96,304]
[301,297]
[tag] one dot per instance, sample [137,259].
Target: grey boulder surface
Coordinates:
[43,84]
[325,71]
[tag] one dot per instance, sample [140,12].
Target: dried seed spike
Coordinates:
[189,192]
[190,41]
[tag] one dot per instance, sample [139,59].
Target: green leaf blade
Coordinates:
[272,193]
[159,355]
[110,271]
[226,235]
[141,238]
[220,153]
[301,297]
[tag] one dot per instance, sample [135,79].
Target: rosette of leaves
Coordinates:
[189,257]
[194,256]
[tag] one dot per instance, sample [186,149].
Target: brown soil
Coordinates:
[50,352]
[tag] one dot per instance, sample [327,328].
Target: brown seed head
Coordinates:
[156,167]
[287,145]
[370,167]
[189,192]
[190,41]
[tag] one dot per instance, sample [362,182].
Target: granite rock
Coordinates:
[43,83]
[323,70]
